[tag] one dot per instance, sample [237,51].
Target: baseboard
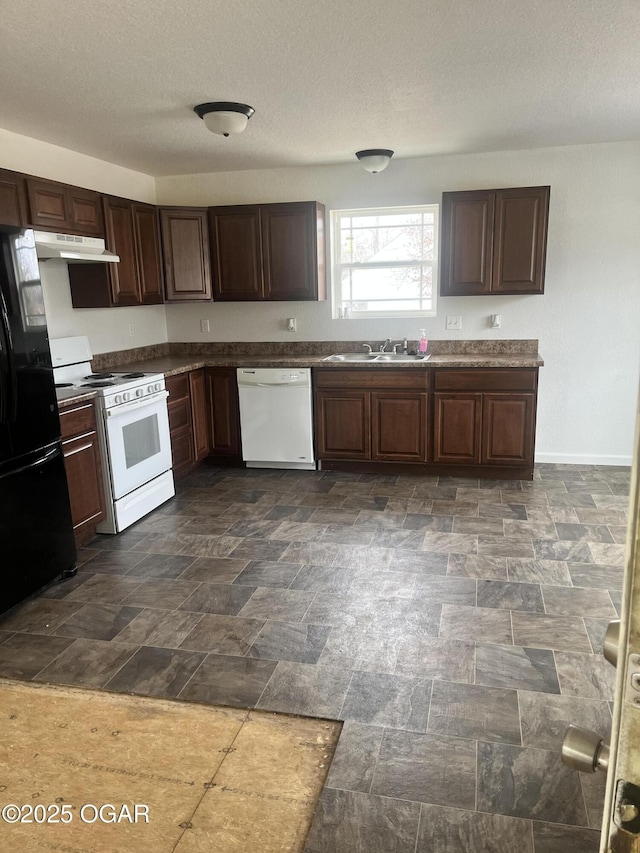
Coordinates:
[583,459]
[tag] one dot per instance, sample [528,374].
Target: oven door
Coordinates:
[139,446]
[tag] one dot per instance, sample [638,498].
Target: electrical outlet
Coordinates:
[454,324]
[496,321]
[130,330]
[205,325]
[291,324]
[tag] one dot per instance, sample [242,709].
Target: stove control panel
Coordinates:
[134,392]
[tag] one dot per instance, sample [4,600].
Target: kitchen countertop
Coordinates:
[68,397]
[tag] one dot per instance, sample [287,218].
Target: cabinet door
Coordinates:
[292,255]
[82,464]
[13,198]
[197,388]
[120,239]
[399,426]
[236,253]
[456,428]
[343,424]
[223,411]
[508,428]
[520,240]
[48,205]
[467,242]
[147,242]
[85,212]
[185,249]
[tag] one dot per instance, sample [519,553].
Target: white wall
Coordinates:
[107,329]
[587,321]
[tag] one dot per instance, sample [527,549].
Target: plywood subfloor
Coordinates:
[214,779]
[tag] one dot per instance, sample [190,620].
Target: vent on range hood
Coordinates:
[72,249]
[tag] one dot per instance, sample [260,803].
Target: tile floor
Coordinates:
[454,625]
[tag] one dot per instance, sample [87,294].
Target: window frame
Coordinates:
[337,266]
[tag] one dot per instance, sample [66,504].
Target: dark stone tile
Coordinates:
[327,515]
[317,553]
[552,838]
[596,629]
[455,508]
[222,635]
[104,589]
[371,646]
[618,533]
[505,546]
[436,493]
[267,573]
[563,633]
[350,534]
[253,529]
[290,513]
[593,575]
[572,500]
[385,584]
[584,532]
[85,554]
[450,543]
[550,572]
[482,713]
[39,615]
[24,655]
[477,526]
[445,590]
[593,791]
[545,718]
[472,566]
[120,542]
[88,663]
[355,757]
[151,628]
[420,562]
[218,598]
[196,545]
[417,521]
[587,675]
[323,579]
[165,566]
[510,596]
[571,601]
[616,599]
[516,667]
[551,549]
[367,503]
[426,768]
[287,605]
[531,783]
[514,511]
[530,529]
[352,822]
[447,830]
[404,539]
[480,624]
[113,562]
[393,701]
[290,641]
[62,587]
[223,680]
[427,657]
[164,594]
[156,672]
[97,621]
[214,570]
[310,690]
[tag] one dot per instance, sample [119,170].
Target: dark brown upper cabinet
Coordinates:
[63,208]
[494,241]
[185,250]
[132,234]
[268,252]
[13,199]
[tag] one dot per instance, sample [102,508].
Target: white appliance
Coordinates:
[71,248]
[276,417]
[133,429]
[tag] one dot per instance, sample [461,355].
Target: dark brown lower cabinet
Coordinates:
[199,419]
[399,426]
[84,469]
[343,424]
[456,428]
[223,412]
[180,423]
[508,426]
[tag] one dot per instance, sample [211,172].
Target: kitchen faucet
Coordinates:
[369,348]
[385,345]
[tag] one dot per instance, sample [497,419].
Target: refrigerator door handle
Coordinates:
[5,369]
[12,396]
[37,463]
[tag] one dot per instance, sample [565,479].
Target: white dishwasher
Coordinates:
[276,417]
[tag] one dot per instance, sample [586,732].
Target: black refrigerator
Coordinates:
[36,531]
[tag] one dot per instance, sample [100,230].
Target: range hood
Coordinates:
[72,249]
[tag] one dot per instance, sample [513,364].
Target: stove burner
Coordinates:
[97,384]
[132,376]
[99,376]
[64,384]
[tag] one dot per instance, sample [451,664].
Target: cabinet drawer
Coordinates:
[405,378]
[177,386]
[492,379]
[77,421]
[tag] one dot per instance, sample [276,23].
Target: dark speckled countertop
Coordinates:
[68,397]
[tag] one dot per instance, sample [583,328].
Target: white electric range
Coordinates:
[133,429]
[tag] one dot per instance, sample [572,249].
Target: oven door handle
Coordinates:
[136,405]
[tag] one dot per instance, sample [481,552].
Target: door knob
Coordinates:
[612,642]
[584,750]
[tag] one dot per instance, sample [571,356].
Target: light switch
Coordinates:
[204,326]
[454,324]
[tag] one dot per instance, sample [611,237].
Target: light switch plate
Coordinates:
[204,326]
[454,324]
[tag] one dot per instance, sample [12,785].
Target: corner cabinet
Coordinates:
[494,241]
[268,252]
[185,251]
[132,234]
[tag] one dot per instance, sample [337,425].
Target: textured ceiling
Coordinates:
[118,79]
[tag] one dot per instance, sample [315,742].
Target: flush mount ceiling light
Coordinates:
[224,117]
[374,159]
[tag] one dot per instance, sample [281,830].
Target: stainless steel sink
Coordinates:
[375,357]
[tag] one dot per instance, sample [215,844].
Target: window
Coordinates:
[385,262]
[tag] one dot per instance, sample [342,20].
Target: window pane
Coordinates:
[399,243]
[385,283]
